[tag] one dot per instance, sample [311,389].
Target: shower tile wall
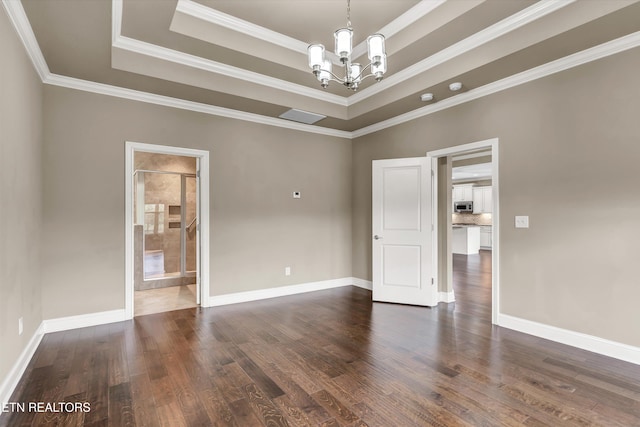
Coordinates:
[164,162]
[163,191]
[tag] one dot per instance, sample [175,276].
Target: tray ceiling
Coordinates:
[250,55]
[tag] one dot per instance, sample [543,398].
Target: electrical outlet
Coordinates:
[20,326]
[522,222]
[287,271]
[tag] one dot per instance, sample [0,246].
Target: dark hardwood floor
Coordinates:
[329,358]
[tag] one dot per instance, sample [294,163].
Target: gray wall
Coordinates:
[569,150]
[20,196]
[257,228]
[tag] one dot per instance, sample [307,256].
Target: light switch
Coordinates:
[522,221]
[296,194]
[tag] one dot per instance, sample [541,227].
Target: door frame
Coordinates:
[204,220]
[493,144]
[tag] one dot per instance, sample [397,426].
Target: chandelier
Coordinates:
[354,73]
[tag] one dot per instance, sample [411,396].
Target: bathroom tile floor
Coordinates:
[164,299]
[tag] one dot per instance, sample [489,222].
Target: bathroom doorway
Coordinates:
[164,230]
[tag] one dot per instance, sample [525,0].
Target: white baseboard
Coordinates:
[591,343]
[83,320]
[361,283]
[281,291]
[446,297]
[10,382]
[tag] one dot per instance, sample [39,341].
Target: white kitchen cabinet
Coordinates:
[462,193]
[482,200]
[465,240]
[485,237]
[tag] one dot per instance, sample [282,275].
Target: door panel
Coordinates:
[402,232]
[401,265]
[401,198]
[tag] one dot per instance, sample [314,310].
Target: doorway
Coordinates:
[165,233]
[444,226]
[166,228]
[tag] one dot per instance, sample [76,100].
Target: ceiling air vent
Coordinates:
[301,116]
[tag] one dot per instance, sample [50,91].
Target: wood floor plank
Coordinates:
[328,358]
[243,413]
[334,406]
[295,417]
[120,406]
[217,408]
[298,402]
[268,412]
[143,402]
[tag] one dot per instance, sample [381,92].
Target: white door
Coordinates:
[403,246]
[198,272]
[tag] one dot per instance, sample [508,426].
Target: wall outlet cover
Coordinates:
[287,271]
[522,221]
[296,195]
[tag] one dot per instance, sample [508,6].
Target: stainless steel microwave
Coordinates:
[463,206]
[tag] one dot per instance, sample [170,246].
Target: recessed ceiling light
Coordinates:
[426,97]
[455,86]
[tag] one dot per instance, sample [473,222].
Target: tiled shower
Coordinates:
[165,220]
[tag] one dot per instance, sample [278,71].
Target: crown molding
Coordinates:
[205,13]
[588,55]
[417,12]
[525,16]
[21,23]
[174,56]
[513,22]
[216,17]
[424,7]
[23,28]
[150,98]
[116,19]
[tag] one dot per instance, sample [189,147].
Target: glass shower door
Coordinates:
[191,215]
[166,208]
[162,225]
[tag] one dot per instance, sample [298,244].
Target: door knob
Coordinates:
[377,237]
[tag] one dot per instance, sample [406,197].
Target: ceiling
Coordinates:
[250,55]
[480,171]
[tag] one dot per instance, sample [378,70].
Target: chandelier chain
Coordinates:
[349,14]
